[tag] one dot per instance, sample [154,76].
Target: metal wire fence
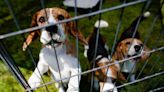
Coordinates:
[10,62]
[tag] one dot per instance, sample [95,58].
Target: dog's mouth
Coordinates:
[53,42]
[136,54]
[133,54]
[53,35]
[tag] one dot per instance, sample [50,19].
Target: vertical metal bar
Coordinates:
[145,6]
[9,61]
[148,36]
[18,27]
[116,34]
[18,72]
[77,40]
[159,57]
[96,46]
[118,29]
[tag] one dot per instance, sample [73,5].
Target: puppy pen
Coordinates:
[154,70]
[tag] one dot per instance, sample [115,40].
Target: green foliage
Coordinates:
[24,9]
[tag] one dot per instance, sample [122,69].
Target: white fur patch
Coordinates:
[44,38]
[86,47]
[103,60]
[146,14]
[68,66]
[109,86]
[129,66]
[101,24]
[61,33]
[132,49]
[51,18]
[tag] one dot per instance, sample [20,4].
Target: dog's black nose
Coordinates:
[52,29]
[137,48]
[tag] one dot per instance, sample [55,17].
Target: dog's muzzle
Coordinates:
[52,29]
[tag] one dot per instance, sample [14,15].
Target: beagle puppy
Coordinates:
[100,57]
[57,54]
[128,47]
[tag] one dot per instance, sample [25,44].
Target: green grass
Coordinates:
[9,84]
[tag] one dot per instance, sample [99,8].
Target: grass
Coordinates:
[9,84]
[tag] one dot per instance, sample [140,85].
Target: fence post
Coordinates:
[9,61]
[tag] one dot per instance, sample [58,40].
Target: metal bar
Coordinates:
[9,61]
[148,35]
[12,13]
[77,40]
[98,68]
[116,34]
[18,27]
[147,60]
[118,29]
[157,89]
[157,59]
[142,79]
[71,19]
[96,46]
[134,33]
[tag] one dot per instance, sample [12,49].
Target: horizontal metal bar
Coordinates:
[142,79]
[71,19]
[98,68]
[157,89]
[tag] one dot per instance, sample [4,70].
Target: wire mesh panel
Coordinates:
[83,75]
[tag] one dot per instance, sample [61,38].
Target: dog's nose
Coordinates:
[137,48]
[52,29]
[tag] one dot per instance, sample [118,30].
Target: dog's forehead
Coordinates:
[54,11]
[130,40]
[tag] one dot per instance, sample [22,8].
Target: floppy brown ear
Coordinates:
[73,31]
[118,55]
[145,56]
[32,35]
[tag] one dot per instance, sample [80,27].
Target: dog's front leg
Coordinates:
[73,85]
[132,77]
[35,79]
[108,86]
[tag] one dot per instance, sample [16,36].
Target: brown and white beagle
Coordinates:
[55,40]
[128,46]
[100,57]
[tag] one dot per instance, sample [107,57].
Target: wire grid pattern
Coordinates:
[76,18]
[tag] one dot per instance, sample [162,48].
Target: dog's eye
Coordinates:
[41,19]
[141,45]
[60,17]
[127,43]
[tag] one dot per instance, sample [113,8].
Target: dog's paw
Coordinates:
[86,47]
[109,87]
[24,46]
[33,84]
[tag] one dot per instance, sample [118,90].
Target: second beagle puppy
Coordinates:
[130,45]
[100,57]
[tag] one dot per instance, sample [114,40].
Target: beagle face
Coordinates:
[51,16]
[131,47]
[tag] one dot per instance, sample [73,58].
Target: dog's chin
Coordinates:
[130,54]
[135,54]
